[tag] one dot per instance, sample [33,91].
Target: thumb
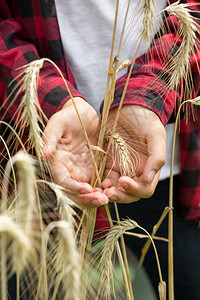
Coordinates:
[52,134]
[156,147]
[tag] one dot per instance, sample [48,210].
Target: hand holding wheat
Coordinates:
[145,134]
[68,154]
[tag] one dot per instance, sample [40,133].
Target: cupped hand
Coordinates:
[145,134]
[68,154]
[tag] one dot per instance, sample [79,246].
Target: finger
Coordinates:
[111,178]
[97,189]
[130,190]
[117,195]
[91,200]
[138,187]
[74,186]
[63,178]
[156,146]
[107,183]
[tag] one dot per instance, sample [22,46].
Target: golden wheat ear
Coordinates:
[20,209]
[64,268]
[105,264]
[29,112]
[147,9]
[26,197]
[129,159]
[188,29]
[16,250]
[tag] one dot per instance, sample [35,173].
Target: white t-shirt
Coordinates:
[86,29]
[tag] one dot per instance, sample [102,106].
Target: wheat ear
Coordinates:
[106,265]
[188,28]
[21,250]
[110,243]
[67,260]
[29,110]
[25,189]
[129,162]
[147,9]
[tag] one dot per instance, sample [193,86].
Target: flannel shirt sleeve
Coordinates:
[148,85]
[16,52]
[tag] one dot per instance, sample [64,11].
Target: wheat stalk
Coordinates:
[144,236]
[195,101]
[111,78]
[155,228]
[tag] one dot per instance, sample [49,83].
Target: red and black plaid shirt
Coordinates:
[29,30]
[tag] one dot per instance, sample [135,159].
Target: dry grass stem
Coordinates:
[195,101]
[111,78]
[124,253]
[108,83]
[155,228]
[119,109]
[144,236]
[124,266]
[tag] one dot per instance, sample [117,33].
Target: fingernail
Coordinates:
[95,202]
[151,176]
[98,202]
[113,198]
[85,191]
[125,185]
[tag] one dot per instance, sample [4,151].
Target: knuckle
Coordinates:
[162,160]
[150,191]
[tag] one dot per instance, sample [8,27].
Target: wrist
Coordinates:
[70,102]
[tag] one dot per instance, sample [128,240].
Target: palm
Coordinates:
[146,136]
[70,159]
